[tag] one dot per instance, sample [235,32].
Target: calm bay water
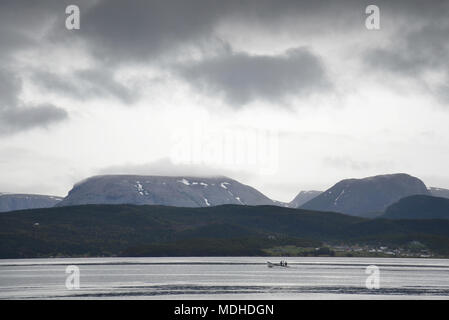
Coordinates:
[224,278]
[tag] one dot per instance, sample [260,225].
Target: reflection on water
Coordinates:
[224,278]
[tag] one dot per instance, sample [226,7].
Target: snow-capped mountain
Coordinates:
[180,191]
[303,197]
[11,201]
[367,197]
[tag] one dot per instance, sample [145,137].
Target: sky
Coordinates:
[282,95]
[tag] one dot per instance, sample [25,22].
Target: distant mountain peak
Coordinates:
[182,191]
[23,201]
[439,192]
[302,197]
[367,196]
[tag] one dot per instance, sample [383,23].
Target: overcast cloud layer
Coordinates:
[241,78]
[343,101]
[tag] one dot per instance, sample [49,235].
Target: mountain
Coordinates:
[160,190]
[439,192]
[367,197]
[419,207]
[128,230]
[303,197]
[11,202]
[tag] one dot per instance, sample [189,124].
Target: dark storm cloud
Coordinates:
[147,31]
[242,78]
[86,84]
[16,116]
[27,117]
[157,32]
[415,52]
[10,87]
[120,33]
[418,47]
[135,31]
[20,23]
[11,41]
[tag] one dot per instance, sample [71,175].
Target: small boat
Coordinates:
[271,265]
